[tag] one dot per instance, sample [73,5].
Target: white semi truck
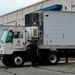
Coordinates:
[54,32]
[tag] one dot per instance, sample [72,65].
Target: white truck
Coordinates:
[54,32]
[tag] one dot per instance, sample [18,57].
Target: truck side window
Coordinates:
[18,34]
[9,37]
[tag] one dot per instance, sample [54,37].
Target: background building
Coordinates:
[18,17]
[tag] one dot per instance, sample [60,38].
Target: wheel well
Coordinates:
[24,54]
[18,53]
[44,52]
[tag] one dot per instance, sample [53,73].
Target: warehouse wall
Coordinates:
[73,5]
[18,17]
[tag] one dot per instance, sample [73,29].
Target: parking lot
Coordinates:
[61,68]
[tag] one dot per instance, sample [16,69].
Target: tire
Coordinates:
[17,61]
[7,63]
[52,59]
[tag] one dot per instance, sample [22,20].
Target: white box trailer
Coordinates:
[59,28]
[54,32]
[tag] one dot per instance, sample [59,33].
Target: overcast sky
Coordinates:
[7,6]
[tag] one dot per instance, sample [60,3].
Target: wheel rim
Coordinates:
[52,59]
[18,60]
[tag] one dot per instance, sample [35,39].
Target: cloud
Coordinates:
[12,5]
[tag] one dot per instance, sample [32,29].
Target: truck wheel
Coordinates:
[17,60]
[7,63]
[52,58]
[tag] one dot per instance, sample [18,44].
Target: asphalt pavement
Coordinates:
[59,69]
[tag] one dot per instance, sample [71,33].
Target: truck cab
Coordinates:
[11,43]
[12,48]
[11,40]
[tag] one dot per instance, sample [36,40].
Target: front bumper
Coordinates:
[5,57]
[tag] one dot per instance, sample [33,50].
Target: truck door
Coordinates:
[18,39]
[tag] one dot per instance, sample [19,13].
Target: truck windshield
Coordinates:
[3,36]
